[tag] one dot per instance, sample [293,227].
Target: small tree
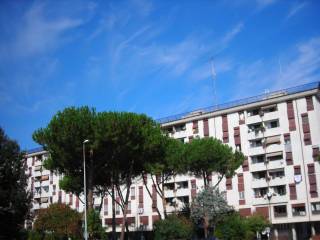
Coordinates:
[208,208]
[95,229]
[59,220]
[172,228]
[14,199]
[209,155]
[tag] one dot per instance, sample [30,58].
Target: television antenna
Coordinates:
[214,76]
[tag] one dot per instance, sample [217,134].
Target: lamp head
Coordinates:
[86,141]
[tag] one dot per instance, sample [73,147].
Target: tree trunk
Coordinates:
[164,202]
[205,227]
[150,195]
[124,219]
[204,179]
[90,183]
[113,214]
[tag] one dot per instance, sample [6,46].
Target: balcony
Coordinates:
[258,183]
[257,167]
[254,134]
[280,215]
[253,119]
[276,164]
[277,181]
[270,115]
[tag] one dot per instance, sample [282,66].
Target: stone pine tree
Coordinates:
[63,139]
[134,141]
[173,163]
[208,208]
[209,155]
[14,199]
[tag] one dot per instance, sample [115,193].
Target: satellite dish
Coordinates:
[297,178]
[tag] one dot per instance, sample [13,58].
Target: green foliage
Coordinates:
[14,199]
[59,220]
[209,203]
[209,155]
[173,227]
[234,227]
[95,229]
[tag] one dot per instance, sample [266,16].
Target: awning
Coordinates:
[274,154]
[272,140]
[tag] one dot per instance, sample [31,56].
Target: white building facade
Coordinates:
[279,133]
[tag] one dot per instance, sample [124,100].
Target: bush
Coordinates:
[173,227]
[95,229]
[235,227]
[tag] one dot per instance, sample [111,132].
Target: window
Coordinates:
[259,175]
[260,192]
[253,112]
[257,159]
[255,143]
[133,192]
[280,211]
[255,127]
[280,190]
[183,185]
[181,127]
[276,173]
[117,208]
[298,210]
[241,195]
[315,208]
[268,109]
[272,124]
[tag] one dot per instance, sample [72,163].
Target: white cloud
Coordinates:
[295,9]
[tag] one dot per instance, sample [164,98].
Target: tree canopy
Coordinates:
[234,227]
[14,199]
[60,221]
[209,155]
[209,207]
[173,227]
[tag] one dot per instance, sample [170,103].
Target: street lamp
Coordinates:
[85,189]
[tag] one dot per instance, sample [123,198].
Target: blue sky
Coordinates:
[148,56]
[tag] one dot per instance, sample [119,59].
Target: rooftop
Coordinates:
[240,102]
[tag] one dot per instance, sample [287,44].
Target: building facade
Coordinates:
[278,132]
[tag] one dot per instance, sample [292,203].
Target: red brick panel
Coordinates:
[206,128]
[297,170]
[245,212]
[195,127]
[225,128]
[229,183]
[140,197]
[245,165]
[306,129]
[105,206]
[144,220]
[315,153]
[263,211]
[241,187]
[289,159]
[312,181]
[77,203]
[193,188]
[293,191]
[154,198]
[309,103]
[290,112]
[236,135]
[70,199]
[155,218]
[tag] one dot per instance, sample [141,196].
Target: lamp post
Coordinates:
[85,189]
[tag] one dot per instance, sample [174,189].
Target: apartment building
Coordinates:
[278,132]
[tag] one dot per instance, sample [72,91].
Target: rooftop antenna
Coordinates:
[280,66]
[213,76]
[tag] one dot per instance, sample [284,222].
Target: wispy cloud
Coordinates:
[297,7]
[232,33]
[300,65]
[38,33]
[264,3]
